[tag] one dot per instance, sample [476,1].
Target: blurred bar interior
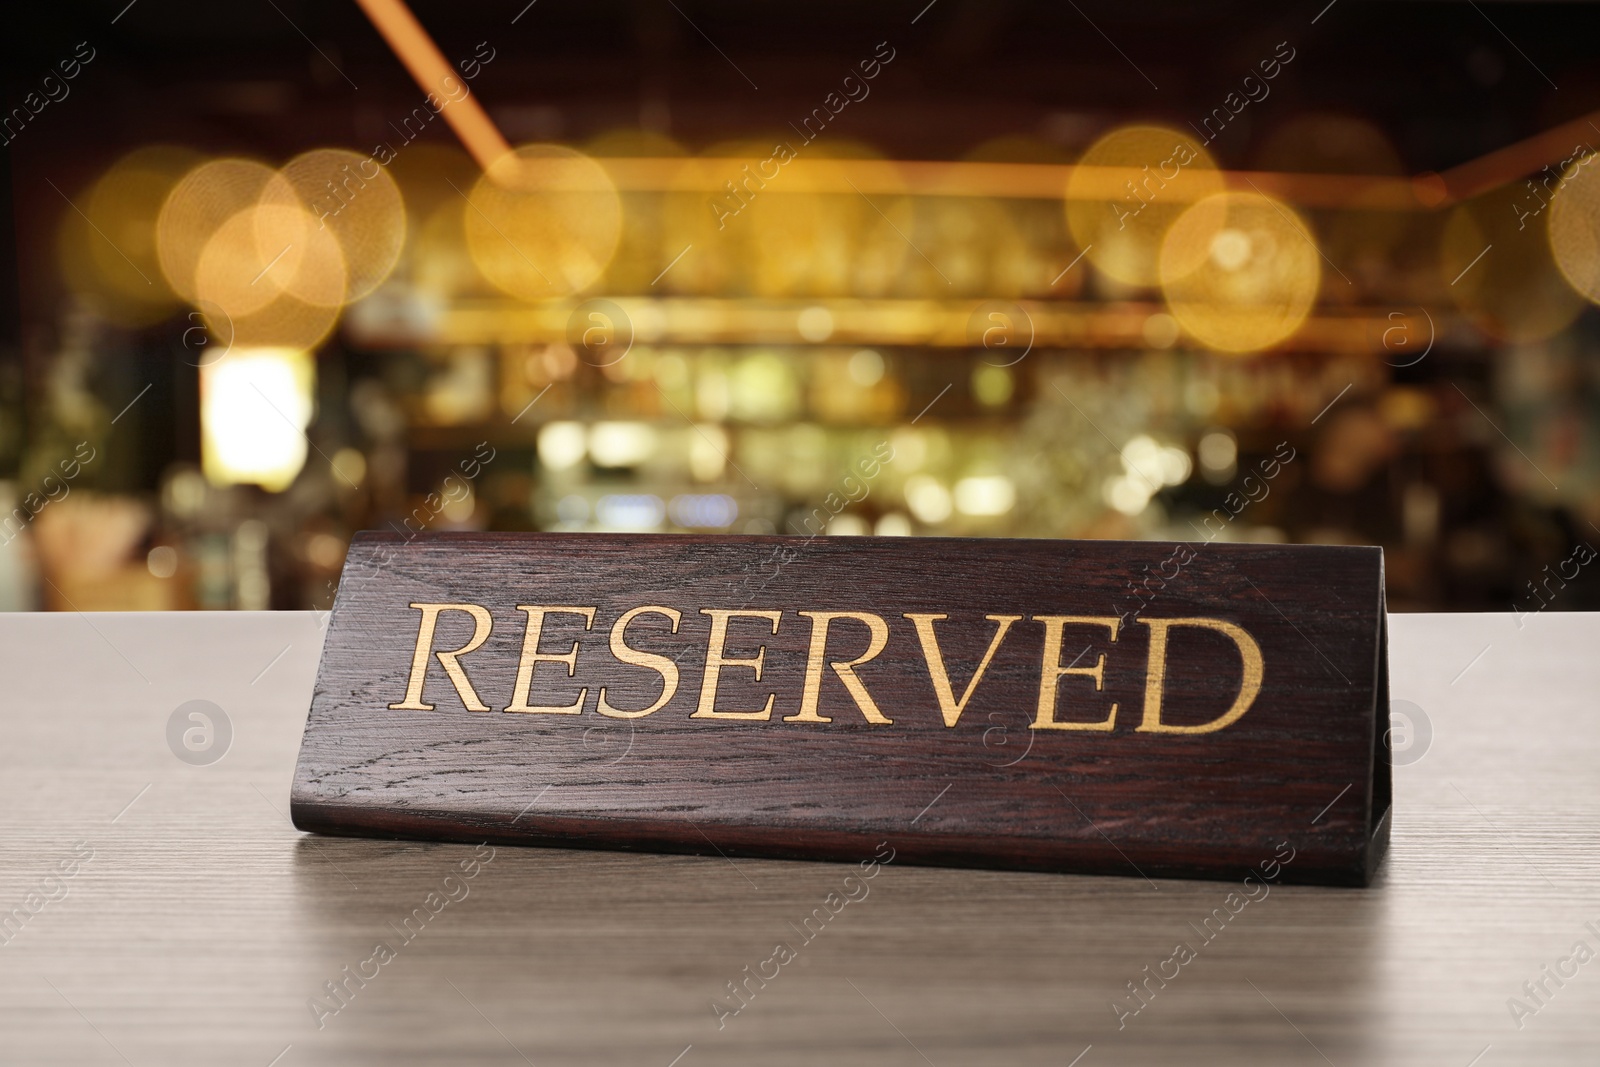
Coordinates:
[284,272]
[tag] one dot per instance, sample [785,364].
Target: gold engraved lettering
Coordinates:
[532,657]
[1156,675]
[845,669]
[1050,675]
[948,705]
[716,660]
[481,625]
[660,664]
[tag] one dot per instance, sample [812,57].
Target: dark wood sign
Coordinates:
[1118,707]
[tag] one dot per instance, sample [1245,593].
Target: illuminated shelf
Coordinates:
[1021,181]
[395,323]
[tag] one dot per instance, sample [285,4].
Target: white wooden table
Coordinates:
[197,926]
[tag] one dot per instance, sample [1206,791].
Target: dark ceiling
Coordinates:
[1446,81]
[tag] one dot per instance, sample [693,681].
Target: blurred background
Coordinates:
[277,272]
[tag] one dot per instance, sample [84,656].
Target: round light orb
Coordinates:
[543,222]
[1240,271]
[267,251]
[1573,225]
[198,206]
[1128,189]
[355,200]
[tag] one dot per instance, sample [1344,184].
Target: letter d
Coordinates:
[1156,675]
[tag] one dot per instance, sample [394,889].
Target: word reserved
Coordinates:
[822,627]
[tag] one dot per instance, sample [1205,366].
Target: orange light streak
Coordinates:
[471,123]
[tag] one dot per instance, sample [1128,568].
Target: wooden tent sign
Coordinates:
[1115,707]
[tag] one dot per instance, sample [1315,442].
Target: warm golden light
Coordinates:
[435,76]
[269,276]
[972,248]
[268,251]
[231,265]
[1499,272]
[1573,225]
[355,200]
[270,258]
[107,243]
[805,232]
[255,405]
[286,322]
[689,219]
[641,253]
[696,321]
[1157,174]
[1240,271]
[543,222]
[206,198]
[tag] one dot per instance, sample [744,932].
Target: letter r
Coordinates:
[481,623]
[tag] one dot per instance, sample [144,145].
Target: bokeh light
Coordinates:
[543,222]
[1573,225]
[265,252]
[641,252]
[1240,271]
[206,198]
[797,303]
[1129,187]
[108,249]
[254,408]
[357,201]
[1500,274]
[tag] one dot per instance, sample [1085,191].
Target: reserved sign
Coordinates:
[986,702]
[714,658]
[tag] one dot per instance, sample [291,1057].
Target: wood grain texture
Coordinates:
[1302,764]
[205,922]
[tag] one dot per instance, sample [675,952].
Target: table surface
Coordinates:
[162,912]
